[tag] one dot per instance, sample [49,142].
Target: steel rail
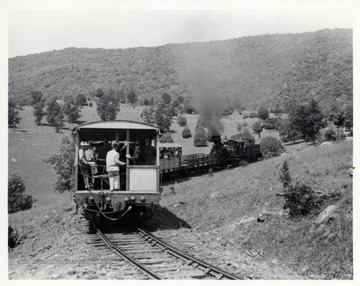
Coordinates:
[124,255]
[206,267]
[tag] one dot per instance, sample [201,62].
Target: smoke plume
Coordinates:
[201,74]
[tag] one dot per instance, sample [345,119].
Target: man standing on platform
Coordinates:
[112,167]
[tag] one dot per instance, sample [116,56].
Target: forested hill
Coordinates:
[254,70]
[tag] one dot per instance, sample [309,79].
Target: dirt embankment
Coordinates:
[56,245]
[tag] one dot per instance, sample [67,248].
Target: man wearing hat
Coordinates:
[87,164]
[112,167]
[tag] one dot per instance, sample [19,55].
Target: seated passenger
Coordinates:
[147,153]
[135,155]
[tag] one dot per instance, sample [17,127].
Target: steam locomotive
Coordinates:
[224,154]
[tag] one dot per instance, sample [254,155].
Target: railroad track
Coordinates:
[148,257]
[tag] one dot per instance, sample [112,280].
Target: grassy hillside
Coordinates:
[229,203]
[266,69]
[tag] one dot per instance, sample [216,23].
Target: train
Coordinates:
[224,154]
[138,193]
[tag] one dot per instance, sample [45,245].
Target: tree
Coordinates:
[166,98]
[263,113]
[71,109]
[81,99]
[108,108]
[17,199]
[228,110]
[339,121]
[54,114]
[188,107]
[13,115]
[200,138]
[38,104]
[178,101]
[288,132]
[64,165]
[258,127]
[121,96]
[148,115]
[132,98]
[181,120]
[308,119]
[162,118]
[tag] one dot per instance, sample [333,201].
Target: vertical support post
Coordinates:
[127,160]
[157,148]
[76,162]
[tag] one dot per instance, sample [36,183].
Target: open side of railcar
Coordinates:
[139,178]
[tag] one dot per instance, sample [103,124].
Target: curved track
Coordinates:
[155,259]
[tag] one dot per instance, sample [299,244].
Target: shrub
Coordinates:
[181,120]
[271,147]
[64,165]
[300,198]
[90,104]
[330,135]
[243,163]
[272,123]
[277,109]
[186,133]
[166,138]
[14,239]
[17,199]
[200,138]
[253,115]
[244,124]
[13,114]
[245,116]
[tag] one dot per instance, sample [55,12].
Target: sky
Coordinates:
[35,31]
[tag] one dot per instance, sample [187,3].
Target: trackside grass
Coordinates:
[233,200]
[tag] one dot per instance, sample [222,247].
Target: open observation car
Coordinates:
[139,178]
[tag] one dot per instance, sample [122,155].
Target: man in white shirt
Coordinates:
[112,167]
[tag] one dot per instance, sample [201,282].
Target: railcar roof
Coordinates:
[116,124]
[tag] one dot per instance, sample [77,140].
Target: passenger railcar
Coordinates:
[139,178]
